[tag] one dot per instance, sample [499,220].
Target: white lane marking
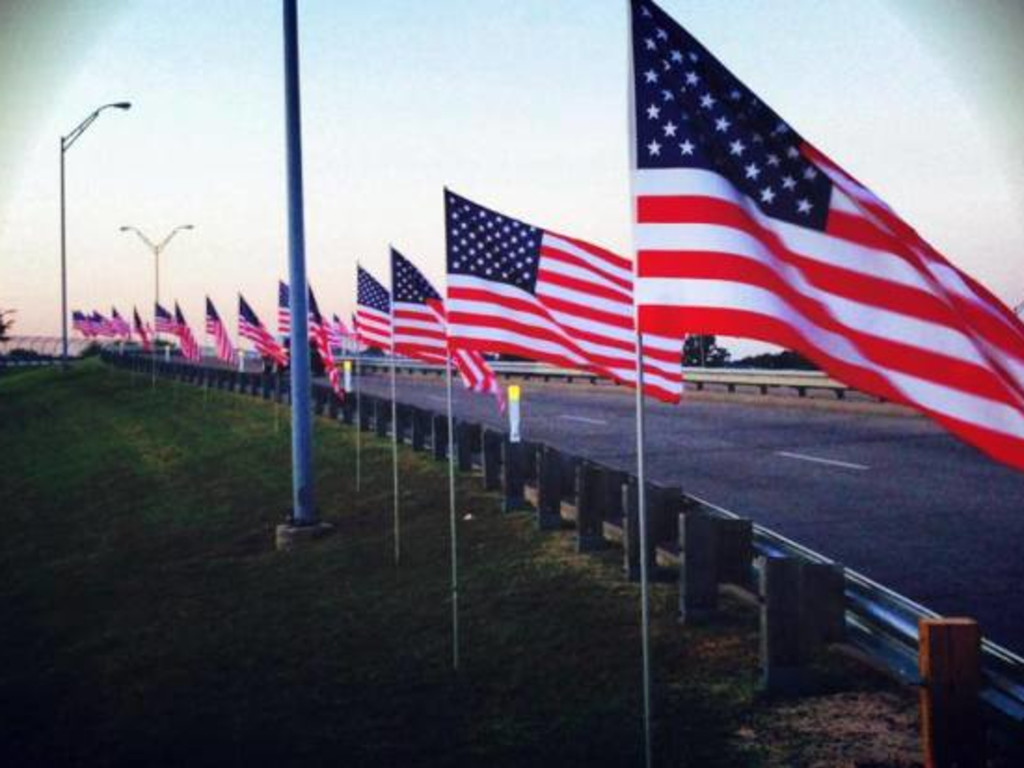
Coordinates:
[819,460]
[584,419]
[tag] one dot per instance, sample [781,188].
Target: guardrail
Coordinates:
[730,379]
[880,624]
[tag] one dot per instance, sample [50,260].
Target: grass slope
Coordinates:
[148,621]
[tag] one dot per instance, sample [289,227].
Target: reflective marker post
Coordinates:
[513,413]
[347,382]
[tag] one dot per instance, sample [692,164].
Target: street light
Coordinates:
[156,249]
[65,145]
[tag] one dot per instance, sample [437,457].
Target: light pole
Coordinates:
[65,145]
[156,249]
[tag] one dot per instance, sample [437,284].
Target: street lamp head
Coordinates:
[125,229]
[187,226]
[122,105]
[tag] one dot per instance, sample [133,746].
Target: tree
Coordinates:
[6,321]
[703,351]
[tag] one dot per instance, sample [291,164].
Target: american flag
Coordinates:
[189,346]
[284,311]
[101,325]
[215,328]
[141,330]
[516,288]
[163,322]
[373,311]
[319,333]
[82,323]
[338,334]
[420,328]
[250,327]
[745,229]
[119,325]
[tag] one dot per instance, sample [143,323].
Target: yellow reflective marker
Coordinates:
[513,393]
[513,413]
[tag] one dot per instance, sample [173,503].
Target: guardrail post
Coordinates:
[512,475]
[265,381]
[365,412]
[822,605]
[590,487]
[332,405]
[568,475]
[614,480]
[949,659]
[549,489]
[490,444]
[348,409]
[420,427]
[666,502]
[381,416]
[734,548]
[631,529]
[782,660]
[698,567]
[318,401]
[440,441]
[464,445]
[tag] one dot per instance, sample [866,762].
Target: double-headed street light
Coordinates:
[156,249]
[65,145]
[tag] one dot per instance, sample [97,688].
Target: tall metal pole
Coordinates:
[452,520]
[156,300]
[303,512]
[63,267]
[394,447]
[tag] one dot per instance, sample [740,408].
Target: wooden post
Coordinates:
[440,442]
[665,505]
[332,405]
[822,605]
[348,409]
[265,382]
[491,444]
[782,661]
[419,428]
[949,659]
[589,507]
[698,570]
[512,479]
[549,489]
[734,546]
[464,445]
[318,401]
[381,416]
[366,408]
[631,530]
[614,479]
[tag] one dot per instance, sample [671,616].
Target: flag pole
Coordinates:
[641,475]
[394,440]
[359,425]
[453,532]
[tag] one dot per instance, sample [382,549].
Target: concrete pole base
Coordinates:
[288,537]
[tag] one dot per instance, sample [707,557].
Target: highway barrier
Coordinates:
[807,602]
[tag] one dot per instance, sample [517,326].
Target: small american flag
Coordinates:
[250,327]
[189,346]
[744,228]
[373,311]
[82,323]
[420,328]
[319,332]
[516,288]
[338,333]
[216,329]
[284,312]
[141,330]
[163,322]
[101,325]
[119,325]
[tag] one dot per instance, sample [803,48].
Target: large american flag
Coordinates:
[141,330]
[745,229]
[119,325]
[516,288]
[189,345]
[163,322]
[221,340]
[101,325]
[250,327]
[373,311]
[284,311]
[320,334]
[420,328]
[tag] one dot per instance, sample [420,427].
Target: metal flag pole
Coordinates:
[641,489]
[452,521]
[303,509]
[394,440]
[359,427]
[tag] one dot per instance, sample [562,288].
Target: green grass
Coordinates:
[146,619]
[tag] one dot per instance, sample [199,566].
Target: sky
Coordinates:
[520,106]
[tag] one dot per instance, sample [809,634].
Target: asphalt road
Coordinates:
[885,493]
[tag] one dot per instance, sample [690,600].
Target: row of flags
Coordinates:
[742,228]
